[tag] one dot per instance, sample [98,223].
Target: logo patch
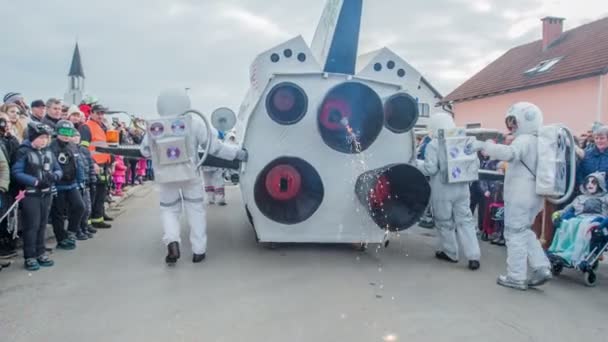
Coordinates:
[173,153]
[157,129]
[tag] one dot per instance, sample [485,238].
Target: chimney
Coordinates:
[552,30]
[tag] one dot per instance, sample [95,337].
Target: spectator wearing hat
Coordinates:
[17,99]
[75,116]
[38,110]
[68,188]
[93,135]
[18,122]
[35,170]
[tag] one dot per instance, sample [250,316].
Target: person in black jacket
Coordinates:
[90,179]
[35,170]
[9,145]
[68,188]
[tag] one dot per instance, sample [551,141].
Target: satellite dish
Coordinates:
[223,119]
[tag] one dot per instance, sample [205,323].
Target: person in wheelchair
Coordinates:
[576,223]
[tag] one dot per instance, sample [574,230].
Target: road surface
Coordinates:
[117,288]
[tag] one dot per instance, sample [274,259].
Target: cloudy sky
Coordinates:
[131,49]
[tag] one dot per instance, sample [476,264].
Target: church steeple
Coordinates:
[76,67]
[76,78]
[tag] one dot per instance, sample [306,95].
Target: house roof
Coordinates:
[76,67]
[583,52]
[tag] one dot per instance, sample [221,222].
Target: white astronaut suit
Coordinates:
[522,204]
[173,142]
[450,203]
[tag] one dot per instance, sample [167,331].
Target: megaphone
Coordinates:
[395,196]
[223,119]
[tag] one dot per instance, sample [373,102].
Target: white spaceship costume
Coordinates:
[173,143]
[450,202]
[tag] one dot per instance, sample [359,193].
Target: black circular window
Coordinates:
[390,65]
[302,57]
[274,57]
[401,73]
[286,103]
[377,66]
[288,53]
[288,190]
[400,113]
[350,117]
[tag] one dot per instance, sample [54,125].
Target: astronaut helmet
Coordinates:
[440,121]
[524,118]
[172,102]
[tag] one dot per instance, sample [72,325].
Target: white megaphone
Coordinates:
[223,119]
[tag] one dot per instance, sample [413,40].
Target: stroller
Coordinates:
[589,264]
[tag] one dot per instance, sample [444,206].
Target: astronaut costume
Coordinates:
[522,204]
[172,142]
[213,178]
[450,203]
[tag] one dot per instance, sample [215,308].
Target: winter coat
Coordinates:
[73,171]
[594,161]
[590,203]
[20,167]
[5,172]
[90,176]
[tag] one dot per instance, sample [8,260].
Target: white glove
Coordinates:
[242,155]
[479,145]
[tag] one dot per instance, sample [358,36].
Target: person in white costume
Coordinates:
[450,203]
[522,204]
[213,178]
[172,142]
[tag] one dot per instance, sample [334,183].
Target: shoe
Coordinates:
[172,253]
[540,277]
[66,245]
[101,225]
[81,236]
[506,281]
[426,224]
[222,204]
[89,235]
[48,249]
[91,230]
[474,265]
[4,264]
[7,254]
[31,264]
[107,218]
[444,257]
[499,242]
[196,258]
[45,261]
[72,237]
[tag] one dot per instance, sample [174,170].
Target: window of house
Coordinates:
[543,66]
[424,109]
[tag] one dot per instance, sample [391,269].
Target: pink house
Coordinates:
[564,74]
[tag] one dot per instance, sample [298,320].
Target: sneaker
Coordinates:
[107,218]
[89,235]
[444,257]
[506,281]
[222,203]
[91,230]
[80,236]
[45,261]
[540,277]
[101,225]
[31,264]
[4,264]
[72,237]
[66,245]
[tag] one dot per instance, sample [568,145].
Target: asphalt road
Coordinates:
[117,288]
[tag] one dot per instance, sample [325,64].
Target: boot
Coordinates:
[101,225]
[474,265]
[540,277]
[444,257]
[172,253]
[196,258]
[506,281]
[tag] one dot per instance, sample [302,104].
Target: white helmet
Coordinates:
[172,102]
[529,117]
[440,121]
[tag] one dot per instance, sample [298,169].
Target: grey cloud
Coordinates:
[133,48]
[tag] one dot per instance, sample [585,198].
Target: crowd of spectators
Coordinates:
[49,174]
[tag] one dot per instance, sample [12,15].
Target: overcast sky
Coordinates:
[131,49]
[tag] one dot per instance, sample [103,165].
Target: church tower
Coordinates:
[75,91]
